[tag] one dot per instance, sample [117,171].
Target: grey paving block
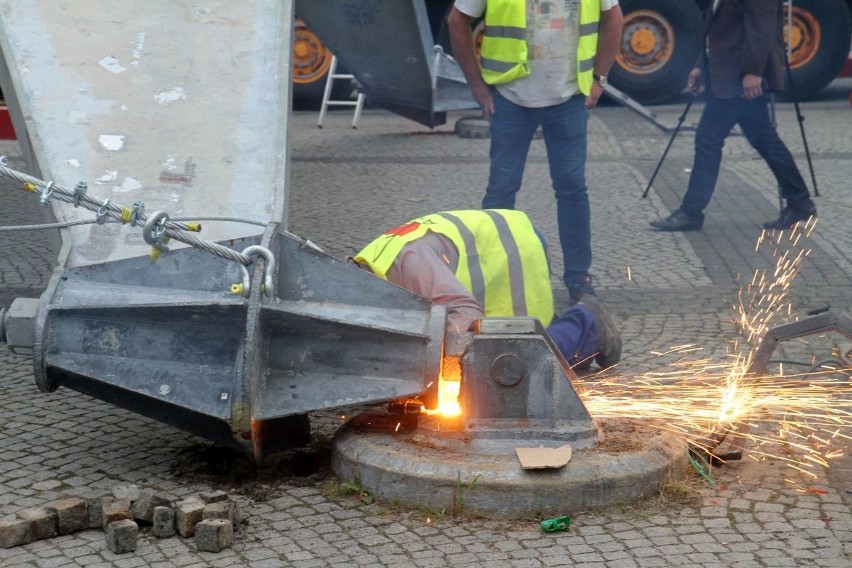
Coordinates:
[122,536]
[188,513]
[214,535]
[95,508]
[42,522]
[72,514]
[143,508]
[219,510]
[163,522]
[14,532]
[115,509]
[214,496]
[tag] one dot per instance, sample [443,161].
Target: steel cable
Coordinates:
[172,229]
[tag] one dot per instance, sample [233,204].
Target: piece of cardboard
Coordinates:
[544,458]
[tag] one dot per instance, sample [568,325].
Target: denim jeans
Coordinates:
[564,128]
[717,120]
[575,334]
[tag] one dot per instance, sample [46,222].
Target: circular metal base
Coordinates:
[407,465]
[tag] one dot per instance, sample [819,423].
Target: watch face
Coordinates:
[602,80]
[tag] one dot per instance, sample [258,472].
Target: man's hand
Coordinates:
[594,95]
[482,95]
[752,86]
[695,83]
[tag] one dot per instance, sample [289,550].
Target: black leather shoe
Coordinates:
[789,217]
[678,221]
[584,289]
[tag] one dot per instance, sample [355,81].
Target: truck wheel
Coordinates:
[819,39]
[311,64]
[659,47]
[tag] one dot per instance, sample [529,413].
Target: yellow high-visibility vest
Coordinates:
[587,47]
[502,260]
[505,55]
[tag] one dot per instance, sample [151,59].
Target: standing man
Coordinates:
[744,58]
[493,263]
[544,63]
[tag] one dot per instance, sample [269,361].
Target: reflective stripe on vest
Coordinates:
[502,261]
[587,47]
[504,55]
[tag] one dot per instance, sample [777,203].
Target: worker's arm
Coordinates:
[422,268]
[609,42]
[464,52]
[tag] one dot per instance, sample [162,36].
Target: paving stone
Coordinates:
[188,513]
[115,509]
[163,520]
[126,491]
[214,535]
[122,536]
[142,508]
[72,514]
[214,496]
[42,522]
[14,532]
[95,508]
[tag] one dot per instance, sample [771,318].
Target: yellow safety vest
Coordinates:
[502,260]
[505,55]
[587,47]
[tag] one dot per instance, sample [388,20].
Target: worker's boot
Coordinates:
[609,338]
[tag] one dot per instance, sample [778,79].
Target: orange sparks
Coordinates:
[801,420]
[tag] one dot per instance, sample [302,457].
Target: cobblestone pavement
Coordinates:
[347,185]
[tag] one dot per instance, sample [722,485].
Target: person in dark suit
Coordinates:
[742,60]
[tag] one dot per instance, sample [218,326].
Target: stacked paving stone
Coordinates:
[209,517]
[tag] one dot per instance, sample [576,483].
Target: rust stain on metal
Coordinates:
[183,179]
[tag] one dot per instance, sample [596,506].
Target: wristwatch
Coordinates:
[601,79]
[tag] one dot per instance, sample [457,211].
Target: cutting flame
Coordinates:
[449,386]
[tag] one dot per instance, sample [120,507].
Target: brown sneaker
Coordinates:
[609,338]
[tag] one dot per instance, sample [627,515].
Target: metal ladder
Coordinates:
[326,97]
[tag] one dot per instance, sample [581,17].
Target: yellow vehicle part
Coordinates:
[311,59]
[647,44]
[803,36]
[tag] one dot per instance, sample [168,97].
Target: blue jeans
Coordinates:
[575,334]
[717,120]
[564,127]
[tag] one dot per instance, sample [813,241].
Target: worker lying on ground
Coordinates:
[494,263]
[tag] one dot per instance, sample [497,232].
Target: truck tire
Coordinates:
[659,46]
[819,40]
[311,65]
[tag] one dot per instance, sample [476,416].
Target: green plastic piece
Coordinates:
[555,525]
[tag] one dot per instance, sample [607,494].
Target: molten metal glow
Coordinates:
[448,398]
[448,388]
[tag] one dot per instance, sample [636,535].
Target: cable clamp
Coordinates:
[46,192]
[102,212]
[138,210]
[80,191]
